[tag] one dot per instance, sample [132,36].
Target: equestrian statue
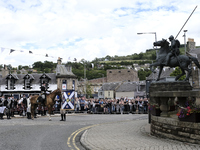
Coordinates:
[169,56]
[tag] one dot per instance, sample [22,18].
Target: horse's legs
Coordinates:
[32,111]
[160,71]
[188,74]
[49,112]
[180,75]
[154,65]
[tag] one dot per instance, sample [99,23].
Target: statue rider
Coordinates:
[175,44]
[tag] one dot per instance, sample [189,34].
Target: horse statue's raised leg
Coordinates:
[160,71]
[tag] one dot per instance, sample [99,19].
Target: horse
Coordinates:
[181,61]
[49,102]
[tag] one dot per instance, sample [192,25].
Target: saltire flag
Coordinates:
[68,102]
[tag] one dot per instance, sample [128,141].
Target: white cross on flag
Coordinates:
[68,103]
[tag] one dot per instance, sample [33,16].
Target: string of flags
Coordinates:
[30,52]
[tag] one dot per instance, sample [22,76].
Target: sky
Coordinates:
[89,29]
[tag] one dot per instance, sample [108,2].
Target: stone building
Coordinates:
[119,75]
[131,90]
[19,84]
[66,80]
[195,52]
[113,76]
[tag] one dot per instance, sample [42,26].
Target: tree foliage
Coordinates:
[177,72]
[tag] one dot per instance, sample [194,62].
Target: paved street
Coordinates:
[95,132]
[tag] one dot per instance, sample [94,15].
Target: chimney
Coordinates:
[59,61]
[190,44]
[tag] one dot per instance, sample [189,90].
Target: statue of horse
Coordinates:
[50,101]
[182,61]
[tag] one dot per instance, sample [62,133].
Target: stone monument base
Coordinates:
[163,94]
[174,129]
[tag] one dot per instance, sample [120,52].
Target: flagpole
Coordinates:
[186,22]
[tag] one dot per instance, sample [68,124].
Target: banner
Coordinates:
[68,100]
[64,85]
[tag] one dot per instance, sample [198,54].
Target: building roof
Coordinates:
[127,87]
[62,70]
[36,77]
[195,52]
[165,73]
[110,86]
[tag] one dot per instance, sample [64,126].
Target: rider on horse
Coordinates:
[42,97]
[175,44]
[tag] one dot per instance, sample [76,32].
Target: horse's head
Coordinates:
[164,44]
[161,43]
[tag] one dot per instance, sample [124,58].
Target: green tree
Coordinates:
[89,91]
[143,73]
[177,72]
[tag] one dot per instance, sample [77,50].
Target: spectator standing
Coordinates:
[24,103]
[62,111]
[121,105]
[77,104]
[140,106]
[86,105]
[28,107]
[8,104]
[145,104]
[117,105]
[130,105]
[113,104]
[82,103]
[2,107]
[93,106]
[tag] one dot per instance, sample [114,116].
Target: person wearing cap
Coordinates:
[175,44]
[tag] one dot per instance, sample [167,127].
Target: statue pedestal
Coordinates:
[161,93]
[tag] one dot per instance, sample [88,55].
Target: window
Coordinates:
[27,84]
[129,71]
[109,94]
[11,84]
[11,81]
[27,81]
[119,71]
[110,71]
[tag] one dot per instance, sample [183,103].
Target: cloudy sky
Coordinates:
[86,29]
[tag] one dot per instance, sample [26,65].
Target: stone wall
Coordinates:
[119,75]
[175,129]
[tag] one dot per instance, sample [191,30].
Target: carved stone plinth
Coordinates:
[162,93]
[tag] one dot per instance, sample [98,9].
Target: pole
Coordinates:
[186,22]
[185,40]
[85,79]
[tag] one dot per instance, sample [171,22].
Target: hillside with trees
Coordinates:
[98,66]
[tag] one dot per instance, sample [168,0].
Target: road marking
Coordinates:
[74,135]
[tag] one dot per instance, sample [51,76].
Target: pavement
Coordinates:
[129,135]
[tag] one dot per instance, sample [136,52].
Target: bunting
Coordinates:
[30,52]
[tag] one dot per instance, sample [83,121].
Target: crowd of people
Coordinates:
[123,105]
[10,106]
